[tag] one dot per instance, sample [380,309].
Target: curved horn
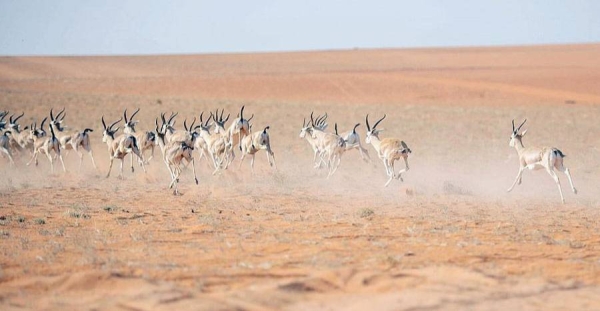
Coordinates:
[375,126]
[156,121]
[250,118]
[125,115]
[60,112]
[321,120]
[304,122]
[336,131]
[185,125]
[173,115]
[19,117]
[520,126]
[110,127]
[226,119]
[212,116]
[354,130]
[193,122]
[221,117]
[51,115]
[367,121]
[103,123]
[42,124]
[162,116]
[513,123]
[202,113]
[133,115]
[312,121]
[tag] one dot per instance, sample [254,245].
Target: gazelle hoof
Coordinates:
[196,180]
[574,190]
[132,169]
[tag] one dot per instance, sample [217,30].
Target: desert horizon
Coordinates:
[448,236]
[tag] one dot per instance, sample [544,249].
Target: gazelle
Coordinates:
[216,144]
[145,140]
[44,144]
[255,142]
[352,140]
[388,149]
[120,146]
[5,146]
[239,128]
[535,158]
[175,152]
[308,128]
[332,148]
[72,140]
[15,129]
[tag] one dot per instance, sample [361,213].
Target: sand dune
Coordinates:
[448,237]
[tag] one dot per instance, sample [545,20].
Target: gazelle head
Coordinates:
[56,122]
[204,126]
[35,132]
[220,122]
[12,123]
[168,124]
[374,131]
[130,123]
[191,129]
[306,128]
[109,132]
[319,123]
[516,136]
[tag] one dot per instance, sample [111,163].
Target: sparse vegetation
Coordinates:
[110,208]
[40,221]
[366,213]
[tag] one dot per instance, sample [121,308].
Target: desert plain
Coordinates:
[449,237]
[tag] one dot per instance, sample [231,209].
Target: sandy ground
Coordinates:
[448,237]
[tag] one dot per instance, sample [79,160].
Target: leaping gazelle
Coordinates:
[388,149]
[535,158]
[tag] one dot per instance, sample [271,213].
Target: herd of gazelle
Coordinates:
[218,143]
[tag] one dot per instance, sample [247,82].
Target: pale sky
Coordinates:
[117,27]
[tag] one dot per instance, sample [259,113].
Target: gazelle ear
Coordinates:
[524,132]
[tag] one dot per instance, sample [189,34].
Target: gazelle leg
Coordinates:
[62,162]
[136,151]
[390,175]
[151,155]
[132,170]
[121,174]
[91,153]
[80,154]
[557,181]
[567,172]
[51,162]
[34,156]
[406,168]
[521,169]
[252,162]
[194,170]
[274,165]
[241,160]
[110,167]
